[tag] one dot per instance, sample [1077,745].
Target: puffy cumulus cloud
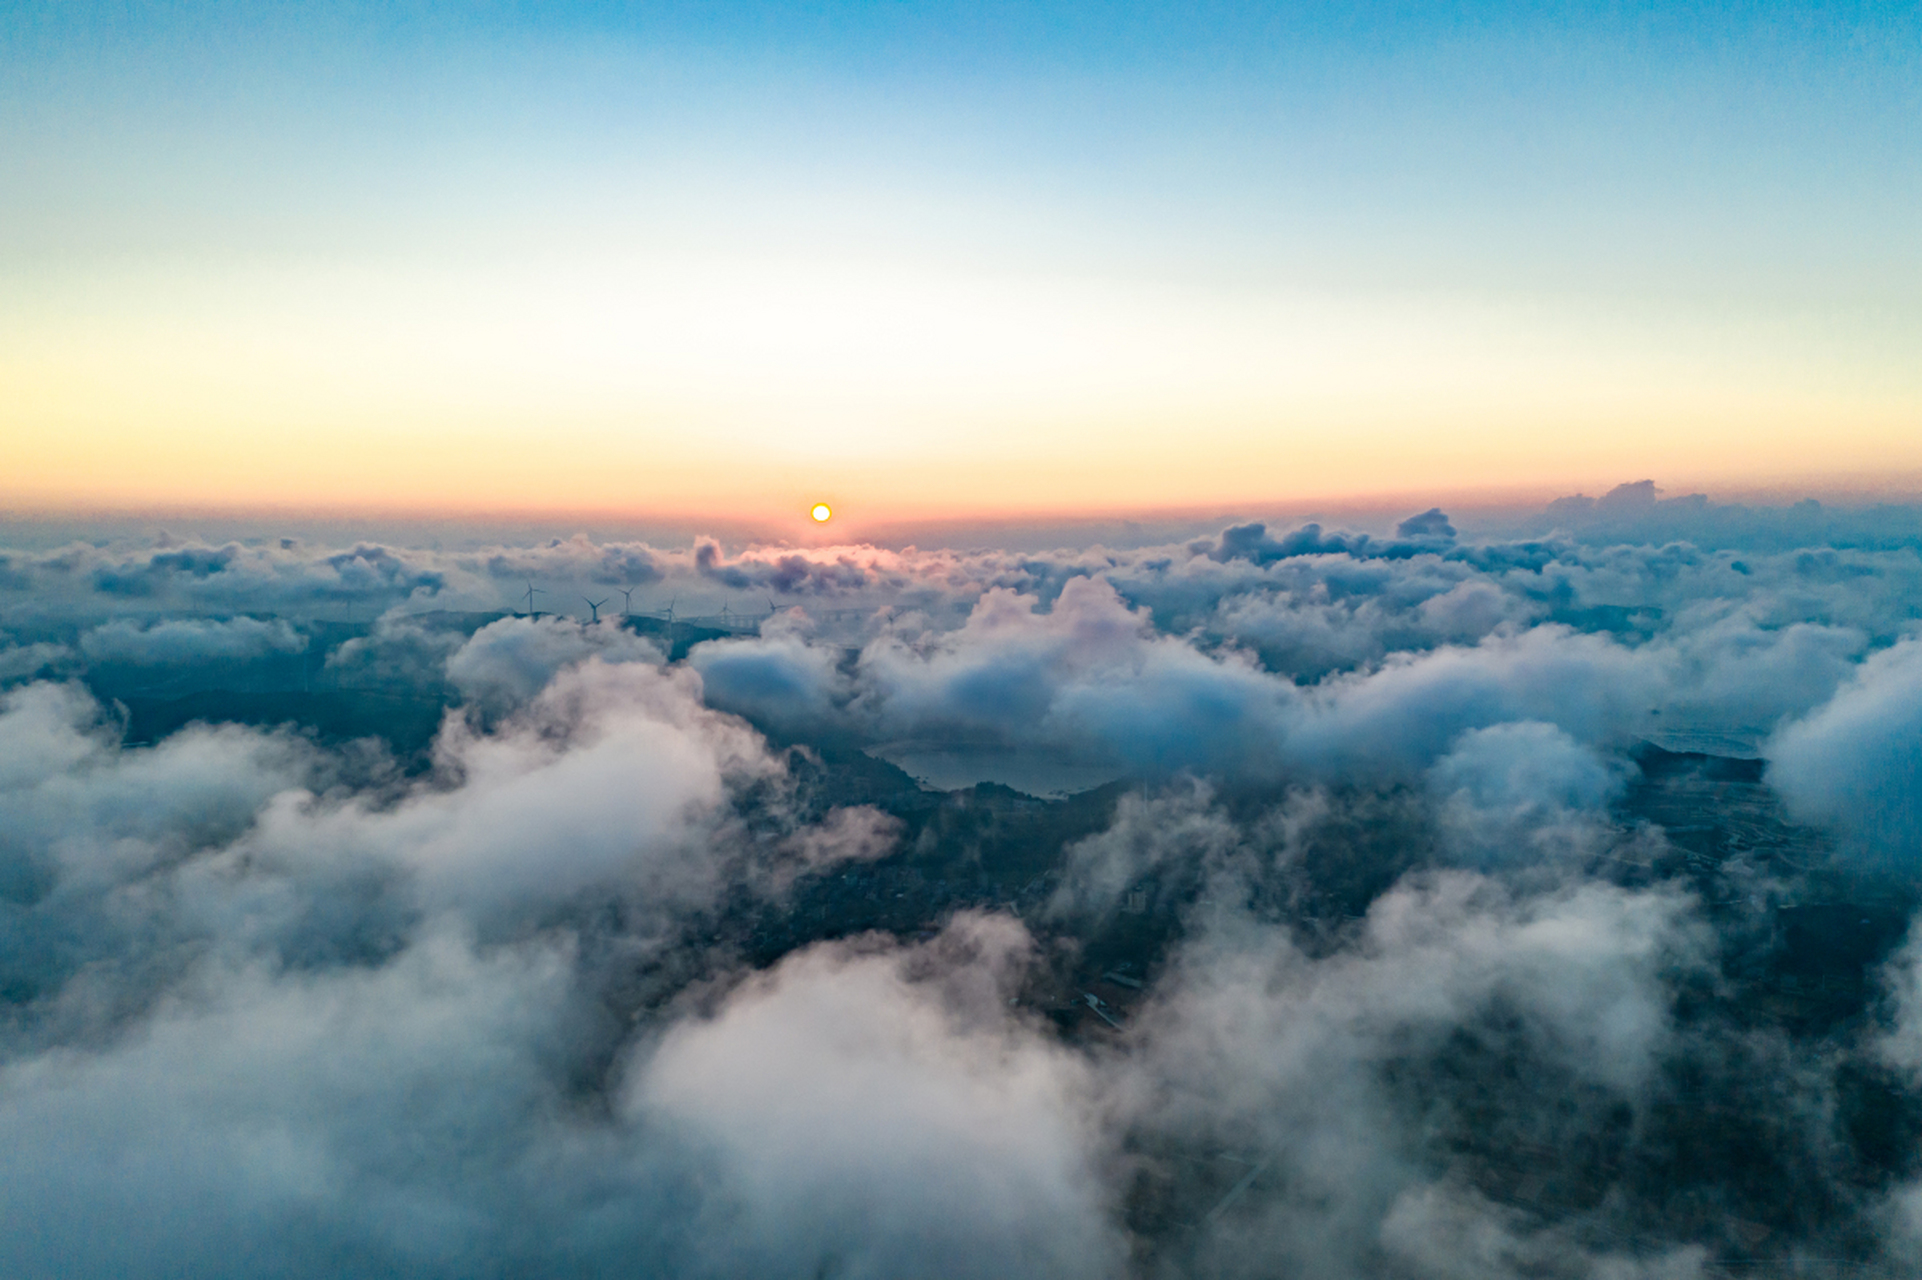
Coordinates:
[1656,590]
[76,805]
[1854,762]
[614,778]
[1309,601]
[792,572]
[1723,644]
[403,1118]
[1339,1080]
[1431,523]
[399,650]
[570,998]
[1091,673]
[1403,715]
[1468,611]
[580,559]
[509,661]
[96,842]
[1730,672]
[912,578]
[1254,543]
[274,1009]
[1525,765]
[880,1112]
[612,775]
[80,583]
[1182,828]
[871,1112]
[778,679]
[329,954]
[179,641]
[856,575]
[24,661]
[1525,793]
[141,577]
[275,576]
[1306,636]
[420,1107]
[1317,628]
[1715,643]
[1352,1104]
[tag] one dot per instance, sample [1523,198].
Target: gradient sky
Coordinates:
[952,259]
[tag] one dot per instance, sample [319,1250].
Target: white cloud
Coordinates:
[1853,763]
[178,641]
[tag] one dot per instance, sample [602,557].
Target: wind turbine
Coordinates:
[595,605]
[770,606]
[531,593]
[627,605]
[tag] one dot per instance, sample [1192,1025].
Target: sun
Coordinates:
[822,513]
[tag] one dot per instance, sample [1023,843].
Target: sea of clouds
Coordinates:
[276,1005]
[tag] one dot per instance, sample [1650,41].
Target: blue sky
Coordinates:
[1500,145]
[1747,172]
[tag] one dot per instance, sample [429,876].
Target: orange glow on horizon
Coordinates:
[730,389]
[1087,471]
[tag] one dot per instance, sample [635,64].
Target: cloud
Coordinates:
[1181,829]
[1428,531]
[1090,673]
[272,577]
[1852,763]
[1713,653]
[1314,1070]
[507,662]
[633,798]
[177,642]
[415,1116]
[87,828]
[1525,764]
[791,573]
[271,1010]
[564,996]
[880,1112]
[1731,671]
[398,650]
[98,813]
[1431,523]
[141,578]
[777,679]
[1404,715]
[581,559]
[1393,686]
[398,1118]
[413,1106]
[1449,1233]
[1525,794]
[22,661]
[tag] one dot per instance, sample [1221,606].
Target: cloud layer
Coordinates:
[1396,947]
